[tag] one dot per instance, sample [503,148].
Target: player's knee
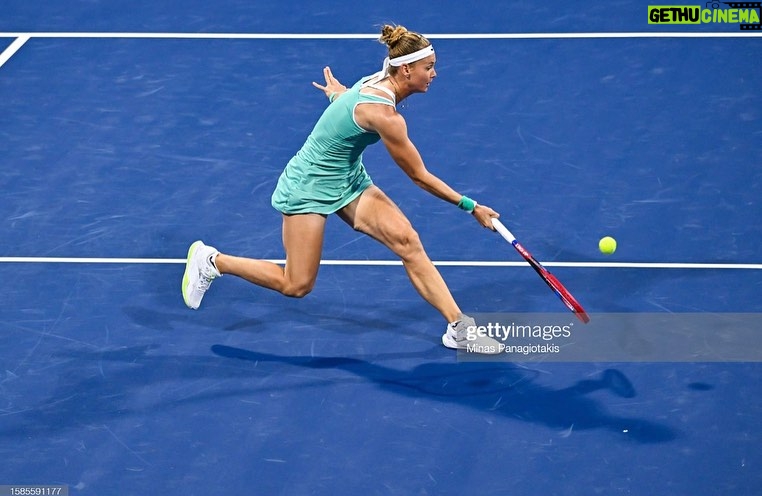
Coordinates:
[408,245]
[298,290]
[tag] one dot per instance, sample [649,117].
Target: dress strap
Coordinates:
[378,87]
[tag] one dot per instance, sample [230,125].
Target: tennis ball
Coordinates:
[607,245]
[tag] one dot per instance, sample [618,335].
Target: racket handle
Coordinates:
[504,232]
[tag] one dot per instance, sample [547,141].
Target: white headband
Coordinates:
[398,61]
[406,59]
[412,57]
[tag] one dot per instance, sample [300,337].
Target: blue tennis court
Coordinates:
[130,130]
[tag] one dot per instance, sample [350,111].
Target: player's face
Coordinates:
[422,73]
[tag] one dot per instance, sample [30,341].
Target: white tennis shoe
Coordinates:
[199,273]
[457,337]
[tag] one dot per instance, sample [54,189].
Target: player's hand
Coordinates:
[484,216]
[332,85]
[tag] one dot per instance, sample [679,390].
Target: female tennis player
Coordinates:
[327,176]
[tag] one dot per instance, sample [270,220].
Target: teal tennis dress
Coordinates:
[328,173]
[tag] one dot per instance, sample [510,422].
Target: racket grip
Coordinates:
[504,232]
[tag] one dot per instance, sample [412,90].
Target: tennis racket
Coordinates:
[551,280]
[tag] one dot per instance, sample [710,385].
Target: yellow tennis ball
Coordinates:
[607,245]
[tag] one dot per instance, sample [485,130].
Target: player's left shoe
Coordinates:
[200,271]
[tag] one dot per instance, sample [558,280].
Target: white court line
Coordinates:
[360,36]
[369,263]
[13,48]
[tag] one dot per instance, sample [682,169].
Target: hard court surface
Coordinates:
[117,151]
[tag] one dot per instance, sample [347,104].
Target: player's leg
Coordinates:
[303,242]
[374,214]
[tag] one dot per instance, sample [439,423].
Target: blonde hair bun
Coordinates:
[401,41]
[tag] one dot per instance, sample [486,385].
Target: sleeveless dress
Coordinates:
[327,173]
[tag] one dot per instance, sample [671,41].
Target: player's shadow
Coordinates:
[96,386]
[495,389]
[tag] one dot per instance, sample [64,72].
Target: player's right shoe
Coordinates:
[200,271]
[456,334]
[457,337]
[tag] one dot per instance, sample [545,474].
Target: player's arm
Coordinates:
[332,88]
[392,128]
[393,131]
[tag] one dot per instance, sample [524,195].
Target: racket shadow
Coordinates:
[495,389]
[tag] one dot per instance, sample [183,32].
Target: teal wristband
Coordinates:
[332,97]
[467,204]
